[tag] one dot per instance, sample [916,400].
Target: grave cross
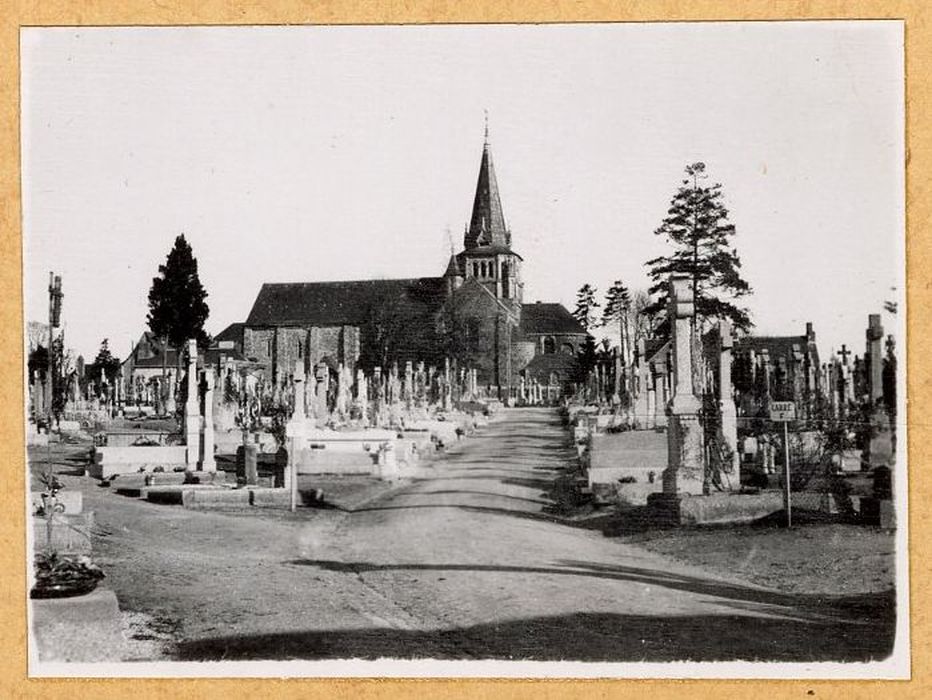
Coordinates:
[844,352]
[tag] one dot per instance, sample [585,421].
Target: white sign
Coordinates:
[782,411]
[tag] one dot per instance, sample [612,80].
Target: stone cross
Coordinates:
[684,472]
[844,352]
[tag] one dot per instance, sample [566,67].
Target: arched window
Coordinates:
[506,281]
[568,349]
[475,269]
[550,345]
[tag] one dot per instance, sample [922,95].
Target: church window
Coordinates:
[568,349]
[506,281]
[550,345]
[268,347]
[475,269]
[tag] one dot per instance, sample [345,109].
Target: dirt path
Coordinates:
[464,564]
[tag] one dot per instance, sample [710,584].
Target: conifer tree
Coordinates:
[586,307]
[177,299]
[618,310]
[700,233]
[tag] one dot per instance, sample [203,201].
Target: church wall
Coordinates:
[523,352]
[291,346]
[257,344]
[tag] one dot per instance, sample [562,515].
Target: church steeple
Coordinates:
[487,224]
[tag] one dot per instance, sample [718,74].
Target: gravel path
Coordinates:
[462,563]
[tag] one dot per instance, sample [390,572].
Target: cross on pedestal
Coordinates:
[844,352]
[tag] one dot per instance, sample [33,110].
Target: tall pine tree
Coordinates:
[586,307]
[177,299]
[617,309]
[698,229]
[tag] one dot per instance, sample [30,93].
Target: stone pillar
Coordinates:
[170,405]
[294,429]
[726,402]
[879,452]
[649,419]
[208,463]
[641,409]
[192,410]
[408,384]
[322,375]
[684,472]
[362,395]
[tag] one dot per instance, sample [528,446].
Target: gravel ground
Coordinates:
[466,562]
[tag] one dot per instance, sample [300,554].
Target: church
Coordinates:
[474,314]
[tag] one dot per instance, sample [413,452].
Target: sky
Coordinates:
[300,154]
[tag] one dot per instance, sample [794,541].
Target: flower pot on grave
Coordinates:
[62,576]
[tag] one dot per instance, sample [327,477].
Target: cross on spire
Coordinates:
[486,142]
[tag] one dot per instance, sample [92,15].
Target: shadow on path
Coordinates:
[579,636]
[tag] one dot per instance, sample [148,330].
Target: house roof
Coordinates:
[340,303]
[776,346]
[232,332]
[541,318]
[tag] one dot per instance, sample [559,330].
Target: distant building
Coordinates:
[474,312]
[150,356]
[778,368]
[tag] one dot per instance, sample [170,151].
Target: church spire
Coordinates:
[487,224]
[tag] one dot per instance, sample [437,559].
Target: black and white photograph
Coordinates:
[542,350]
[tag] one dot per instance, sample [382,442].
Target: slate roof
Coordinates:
[487,224]
[488,251]
[777,346]
[540,318]
[341,303]
[232,332]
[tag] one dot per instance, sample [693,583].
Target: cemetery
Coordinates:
[354,436]
[689,433]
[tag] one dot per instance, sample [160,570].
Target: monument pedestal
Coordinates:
[684,472]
